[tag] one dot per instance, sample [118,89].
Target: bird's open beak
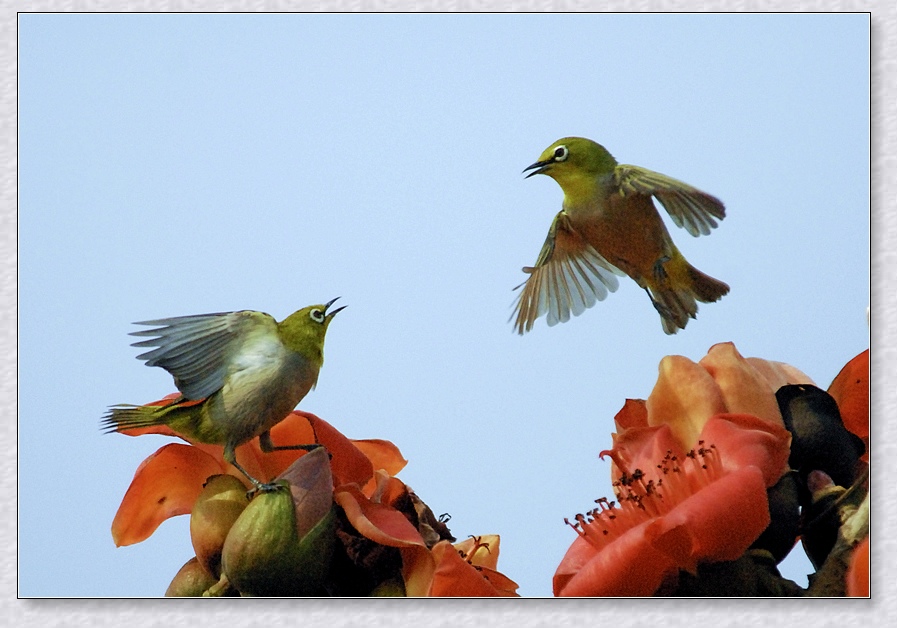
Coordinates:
[333,313]
[541,165]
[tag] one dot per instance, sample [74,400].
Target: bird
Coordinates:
[239,374]
[608,227]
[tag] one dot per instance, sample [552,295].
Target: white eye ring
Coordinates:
[561,153]
[316,315]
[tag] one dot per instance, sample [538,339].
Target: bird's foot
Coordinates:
[265,487]
[660,273]
[663,310]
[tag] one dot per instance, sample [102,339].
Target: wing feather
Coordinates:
[197,350]
[690,208]
[569,277]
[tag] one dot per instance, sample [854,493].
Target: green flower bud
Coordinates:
[282,543]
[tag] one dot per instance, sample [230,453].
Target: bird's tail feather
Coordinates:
[124,418]
[675,308]
[705,288]
[677,301]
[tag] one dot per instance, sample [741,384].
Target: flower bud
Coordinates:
[218,506]
[282,543]
[191,580]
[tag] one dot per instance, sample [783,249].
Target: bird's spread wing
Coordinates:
[197,350]
[569,276]
[696,211]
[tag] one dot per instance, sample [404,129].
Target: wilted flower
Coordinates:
[429,567]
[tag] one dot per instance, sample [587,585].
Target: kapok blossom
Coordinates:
[169,481]
[690,469]
[377,506]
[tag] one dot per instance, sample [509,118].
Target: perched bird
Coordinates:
[239,374]
[609,226]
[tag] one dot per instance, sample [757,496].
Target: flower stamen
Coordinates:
[642,498]
[477,545]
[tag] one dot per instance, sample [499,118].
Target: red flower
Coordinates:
[691,468]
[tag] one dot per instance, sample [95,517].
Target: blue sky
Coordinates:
[182,164]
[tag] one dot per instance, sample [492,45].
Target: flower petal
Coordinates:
[850,389]
[778,374]
[642,448]
[630,566]
[295,429]
[481,551]
[684,397]
[348,462]
[455,577]
[747,440]
[387,526]
[166,484]
[743,388]
[858,571]
[634,413]
[378,522]
[716,523]
[311,485]
[382,454]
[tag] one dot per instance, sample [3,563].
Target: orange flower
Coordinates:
[377,506]
[168,482]
[691,469]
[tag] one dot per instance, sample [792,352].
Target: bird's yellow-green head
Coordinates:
[304,331]
[576,163]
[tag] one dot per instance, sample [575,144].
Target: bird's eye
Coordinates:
[561,153]
[317,315]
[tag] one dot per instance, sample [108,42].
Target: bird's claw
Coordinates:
[663,310]
[660,273]
[264,487]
